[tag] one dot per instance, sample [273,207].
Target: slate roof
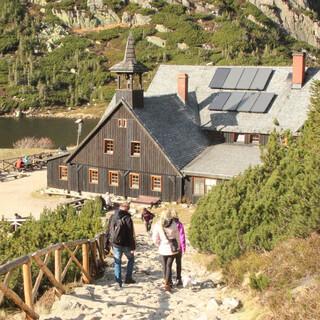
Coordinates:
[129,64]
[289,108]
[174,126]
[224,161]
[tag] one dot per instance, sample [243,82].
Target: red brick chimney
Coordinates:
[183,87]
[298,69]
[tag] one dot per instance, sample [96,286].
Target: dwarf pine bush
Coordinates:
[274,201]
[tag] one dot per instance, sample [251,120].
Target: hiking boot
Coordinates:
[130,281]
[179,283]
[167,288]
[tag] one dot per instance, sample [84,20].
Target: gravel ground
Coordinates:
[22,195]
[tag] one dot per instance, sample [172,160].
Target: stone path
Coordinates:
[143,300]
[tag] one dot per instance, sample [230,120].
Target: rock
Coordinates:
[140,20]
[162,28]
[212,306]
[254,20]
[207,46]
[182,46]
[231,304]
[290,15]
[135,20]
[81,19]
[202,316]
[157,41]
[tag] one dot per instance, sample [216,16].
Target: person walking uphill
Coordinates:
[147,217]
[166,237]
[122,239]
[182,248]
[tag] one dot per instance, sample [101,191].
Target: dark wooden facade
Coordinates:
[91,155]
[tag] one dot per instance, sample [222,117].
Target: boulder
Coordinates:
[157,41]
[182,46]
[231,304]
[162,28]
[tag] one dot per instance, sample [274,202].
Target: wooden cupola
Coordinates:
[129,77]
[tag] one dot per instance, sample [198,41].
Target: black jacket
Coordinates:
[128,240]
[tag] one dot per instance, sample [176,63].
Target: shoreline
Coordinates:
[84,113]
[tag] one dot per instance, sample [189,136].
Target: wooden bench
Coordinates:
[148,200]
[6,176]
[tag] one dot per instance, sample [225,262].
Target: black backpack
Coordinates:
[118,232]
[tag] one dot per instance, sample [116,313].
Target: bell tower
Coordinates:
[129,77]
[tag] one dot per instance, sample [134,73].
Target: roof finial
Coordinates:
[129,64]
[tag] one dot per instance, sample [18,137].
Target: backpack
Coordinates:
[119,231]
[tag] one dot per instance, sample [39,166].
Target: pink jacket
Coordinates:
[161,241]
[182,236]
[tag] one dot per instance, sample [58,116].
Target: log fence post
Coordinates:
[57,265]
[85,262]
[27,285]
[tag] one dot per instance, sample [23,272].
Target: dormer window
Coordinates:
[122,123]
[135,149]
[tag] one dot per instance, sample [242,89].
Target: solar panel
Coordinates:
[219,78]
[219,100]
[261,79]
[246,79]
[263,102]
[233,101]
[233,78]
[247,101]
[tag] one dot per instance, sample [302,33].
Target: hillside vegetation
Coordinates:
[259,224]
[44,63]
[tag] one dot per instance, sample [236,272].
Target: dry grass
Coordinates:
[14,153]
[208,261]
[293,271]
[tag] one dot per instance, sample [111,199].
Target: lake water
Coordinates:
[61,131]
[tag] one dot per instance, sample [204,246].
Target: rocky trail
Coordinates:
[146,298]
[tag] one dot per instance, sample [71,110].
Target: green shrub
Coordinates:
[268,203]
[54,226]
[259,282]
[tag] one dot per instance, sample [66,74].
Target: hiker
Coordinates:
[123,242]
[182,248]
[147,217]
[166,237]
[106,201]
[19,164]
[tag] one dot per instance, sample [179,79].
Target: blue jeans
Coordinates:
[117,253]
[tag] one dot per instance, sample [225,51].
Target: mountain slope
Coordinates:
[57,53]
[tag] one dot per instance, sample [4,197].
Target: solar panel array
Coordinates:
[256,102]
[241,78]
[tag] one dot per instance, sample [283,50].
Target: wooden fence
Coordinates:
[92,264]
[36,161]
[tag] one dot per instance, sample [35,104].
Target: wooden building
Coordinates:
[195,127]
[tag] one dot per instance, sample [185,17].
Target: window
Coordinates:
[240,138]
[114,178]
[122,123]
[93,176]
[198,186]
[135,149]
[108,146]
[156,183]
[202,186]
[255,138]
[134,180]
[63,172]
[209,183]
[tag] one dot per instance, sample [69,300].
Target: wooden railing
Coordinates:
[36,160]
[92,264]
